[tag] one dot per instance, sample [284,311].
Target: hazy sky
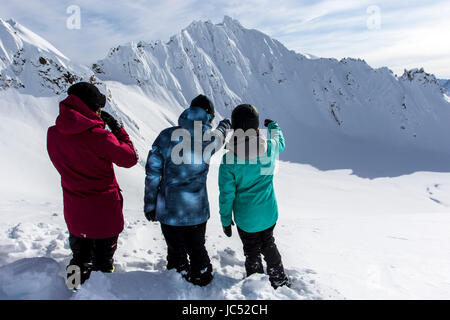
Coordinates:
[398,34]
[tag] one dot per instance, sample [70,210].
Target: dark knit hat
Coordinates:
[245,116]
[203,102]
[89,94]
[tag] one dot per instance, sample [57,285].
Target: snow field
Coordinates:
[373,239]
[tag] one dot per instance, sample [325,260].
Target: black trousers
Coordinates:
[258,243]
[188,241]
[93,254]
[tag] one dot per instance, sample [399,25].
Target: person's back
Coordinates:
[83,152]
[175,188]
[255,207]
[246,189]
[182,198]
[74,143]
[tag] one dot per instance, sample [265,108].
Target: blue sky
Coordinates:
[398,34]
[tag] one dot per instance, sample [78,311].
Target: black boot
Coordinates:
[183,268]
[272,256]
[277,277]
[201,278]
[85,270]
[188,241]
[201,273]
[104,250]
[252,250]
[81,257]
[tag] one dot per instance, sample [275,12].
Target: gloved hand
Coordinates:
[151,215]
[267,122]
[226,123]
[112,123]
[227,230]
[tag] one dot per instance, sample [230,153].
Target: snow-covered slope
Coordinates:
[330,110]
[34,77]
[340,236]
[32,74]
[29,62]
[445,83]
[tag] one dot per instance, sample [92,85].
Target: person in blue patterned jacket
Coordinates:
[175,187]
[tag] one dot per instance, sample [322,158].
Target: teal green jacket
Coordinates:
[246,186]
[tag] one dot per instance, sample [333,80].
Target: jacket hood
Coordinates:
[247,147]
[192,114]
[75,117]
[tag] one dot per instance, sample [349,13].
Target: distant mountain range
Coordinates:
[334,113]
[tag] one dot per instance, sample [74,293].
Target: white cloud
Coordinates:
[411,32]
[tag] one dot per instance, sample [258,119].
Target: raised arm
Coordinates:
[218,137]
[119,148]
[276,136]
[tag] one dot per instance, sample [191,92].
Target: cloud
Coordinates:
[411,33]
[104,24]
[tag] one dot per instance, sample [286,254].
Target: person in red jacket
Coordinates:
[83,152]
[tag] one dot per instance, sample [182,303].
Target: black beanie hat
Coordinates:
[89,94]
[245,116]
[203,102]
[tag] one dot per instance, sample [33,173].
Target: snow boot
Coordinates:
[277,277]
[78,275]
[201,278]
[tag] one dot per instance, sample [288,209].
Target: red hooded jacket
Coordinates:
[83,152]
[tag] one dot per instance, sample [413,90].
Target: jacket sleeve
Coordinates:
[276,138]
[218,137]
[153,175]
[227,188]
[120,150]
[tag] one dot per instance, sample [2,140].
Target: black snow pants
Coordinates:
[188,241]
[263,242]
[93,254]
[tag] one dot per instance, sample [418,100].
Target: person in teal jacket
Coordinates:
[246,189]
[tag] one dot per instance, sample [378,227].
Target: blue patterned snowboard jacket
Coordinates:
[178,191]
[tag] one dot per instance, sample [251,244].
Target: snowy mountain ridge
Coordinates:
[445,83]
[29,62]
[335,114]
[232,64]
[31,68]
